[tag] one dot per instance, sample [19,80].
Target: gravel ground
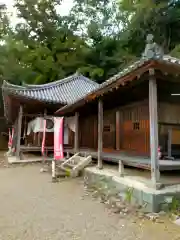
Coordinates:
[33,208]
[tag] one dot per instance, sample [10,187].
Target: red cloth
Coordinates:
[44,137]
[10,137]
[58,138]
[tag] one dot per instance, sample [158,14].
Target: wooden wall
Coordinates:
[3,134]
[134,128]
[109,129]
[169,113]
[71,138]
[88,131]
[169,119]
[35,139]
[132,134]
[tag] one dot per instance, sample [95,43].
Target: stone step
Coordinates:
[75,164]
[69,165]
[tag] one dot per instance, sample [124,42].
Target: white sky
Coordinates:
[64,8]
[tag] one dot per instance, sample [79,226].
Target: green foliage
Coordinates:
[159,17]
[4,21]
[129,195]
[176,51]
[174,206]
[97,38]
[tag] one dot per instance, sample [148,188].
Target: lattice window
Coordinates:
[107,128]
[136,126]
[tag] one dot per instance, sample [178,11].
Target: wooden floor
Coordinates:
[134,161]
[34,148]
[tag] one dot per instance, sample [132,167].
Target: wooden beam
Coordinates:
[100,133]
[129,77]
[38,114]
[33,115]
[19,125]
[169,68]
[154,143]
[117,130]
[76,136]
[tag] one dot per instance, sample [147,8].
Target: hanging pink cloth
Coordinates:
[10,142]
[44,137]
[58,138]
[159,153]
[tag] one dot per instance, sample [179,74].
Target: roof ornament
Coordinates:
[152,49]
[76,73]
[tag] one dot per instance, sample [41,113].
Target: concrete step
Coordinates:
[69,165]
[75,164]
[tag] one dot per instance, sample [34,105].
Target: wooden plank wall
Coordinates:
[169,118]
[88,132]
[109,129]
[169,113]
[133,130]
[3,131]
[71,139]
[134,136]
[134,127]
[35,139]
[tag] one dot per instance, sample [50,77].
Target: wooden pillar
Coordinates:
[121,169]
[76,136]
[117,130]
[100,133]
[170,142]
[19,125]
[155,174]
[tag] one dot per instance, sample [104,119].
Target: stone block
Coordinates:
[151,201]
[147,207]
[147,197]
[177,222]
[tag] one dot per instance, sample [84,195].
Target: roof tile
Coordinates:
[65,91]
[165,58]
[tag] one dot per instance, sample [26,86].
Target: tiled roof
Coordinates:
[65,91]
[139,63]
[167,59]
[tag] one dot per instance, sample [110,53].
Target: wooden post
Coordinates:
[39,139]
[155,174]
[121,168]
[19,125]
[76,137]
[67,155]
[117,130]
[100,133]
[45,154]
[54,170]
[170,142]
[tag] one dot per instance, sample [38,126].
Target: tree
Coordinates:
[100,23]
[12,68]
[4,21]
[53,50]
[159,17]
[98,38]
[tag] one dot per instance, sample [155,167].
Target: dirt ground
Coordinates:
[34,208]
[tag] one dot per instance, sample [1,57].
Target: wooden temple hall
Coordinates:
[134,116]
[26,106]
